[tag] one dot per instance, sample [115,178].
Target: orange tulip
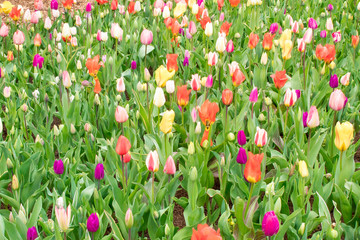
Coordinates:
[101,2]
[225,27]
[171,62]
[220,4]
[68,4]
[205,232]
[252,171]
[97,87]
[268,41]
[131,7]
[93,65]
[354,41]
[326,53]
[10,56]
[114,5]
[253,40]
[175,27]
[227,97]
[207,114]
[238,77]
[122,146]
[279,78]
[15,13]
[199,15]
[234,3]
[183,95]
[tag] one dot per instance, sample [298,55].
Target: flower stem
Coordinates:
[309,139]
[92,236]
[152,188]
[341,156]
[27,135]
[182,115]
[332,136]
[129,233]
[286,117]
[249,200]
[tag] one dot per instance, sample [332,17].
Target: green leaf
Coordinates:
[35,213]
[149,49]
[115,229]
[283,229]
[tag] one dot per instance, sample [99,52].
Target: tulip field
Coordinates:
[185,119]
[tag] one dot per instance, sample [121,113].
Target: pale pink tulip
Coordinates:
[121,114]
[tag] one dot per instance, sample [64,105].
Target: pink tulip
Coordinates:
[345,80]
[34,18]
[116,31]
[260,137]
[194,114]
[159,4]
[66,79]
[290,98]
[152,161]
[209,81]
[4,30]
[270,224]
[295,27]
[254,95]
[232,67]
[301,45]
[312,120]
[195,82]
[336,36]
[19,37]
[212,58]
[38,4]
[230,46]
[63,217]
[170,167]
[121,115]
[337,100]
[308,36]
[192,28]
[120,85]
[221,18]
[146,37]
[98,35]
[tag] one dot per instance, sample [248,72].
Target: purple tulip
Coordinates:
[241,138]
[298,93]
[38,61]
[346,100]
[54,5]
[0,73]
[274,28]
[241,157]
[304,118]
[270,224]
[31,234]
[330,7]
[133,65]
[58,167]
[323,34]
[312,24]
[92,223]
[199,2]
[334,81]
[88,7]
[181,31]
[50,36]
[186,58]
[254,95]
[99,171]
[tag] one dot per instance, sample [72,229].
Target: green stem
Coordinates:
[249,200]
[152,188]
[341,156]
[332,136]
[165,145]
[309,139]
[182,115]
[286,117]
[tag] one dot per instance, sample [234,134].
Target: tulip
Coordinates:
[121,114]
[337,100]
[63,217]
[227,97]
[170,167]
[290,98]
[58,167]
[66,79]
[344,134]
[116,31]
[286,53]
[254,95]
[35,18]
[345,80]
[120,85]
[92,223]
[326,53]
[47,24]
[99,171]
[334,82]
[186,58]
[4,30]
[66,34]
[152,161]
[114,5]
[209,81]
[304,119]
[260,137]
[38,61]
[159,97]
[253,40]
[129,219]
[241,138]
[238,77]
[167,121]
[274,28]
[312,24]
[205,232]
[170,86]
[295,27]
[279,78]
[146,37]
[192,28]
[354,40]
[268,41]
[88,7]
[54,5]
[183,95]
[270,224]
[308,36]
[301,45]
[208,29]
[312,120]
[330,7]
[171,64]
[14,182]
[285,36]
[126,158]
[241,157]
[232,67]
[252,171]
[225,27]
[31,234]
[10,56]
[220,43]
[303,169]
[19,37]
[212,58]
[329,24]
[230,46]
[123,146]
[336,36]
[162,75]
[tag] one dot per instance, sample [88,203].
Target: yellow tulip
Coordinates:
[286,35]
[167,121]
[303,170]
[286,51]
[162,75]
[179,9]
[344,134]
[6,7]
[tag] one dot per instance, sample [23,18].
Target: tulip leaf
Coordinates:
[35,213]
[284,227]
[115,229]
[142,52]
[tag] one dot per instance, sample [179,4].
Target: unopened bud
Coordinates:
[15,182]
[129,218]
[230,137]
[193,174]
[301,229]
[72,129]
[277,206]
[191,148]
[9,163]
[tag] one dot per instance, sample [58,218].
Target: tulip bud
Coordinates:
[333,233]
[9,163]
[332,65]
[15,182]
[301,229]
[261,117]
[97,99]
[264,58]
[147,75]
[230,137]
[191,148]
[205,144]
[193,174]
[270,189]
[167,230]
[11,218]
[129,219]
[156,214]
[72,129]
[277,206]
